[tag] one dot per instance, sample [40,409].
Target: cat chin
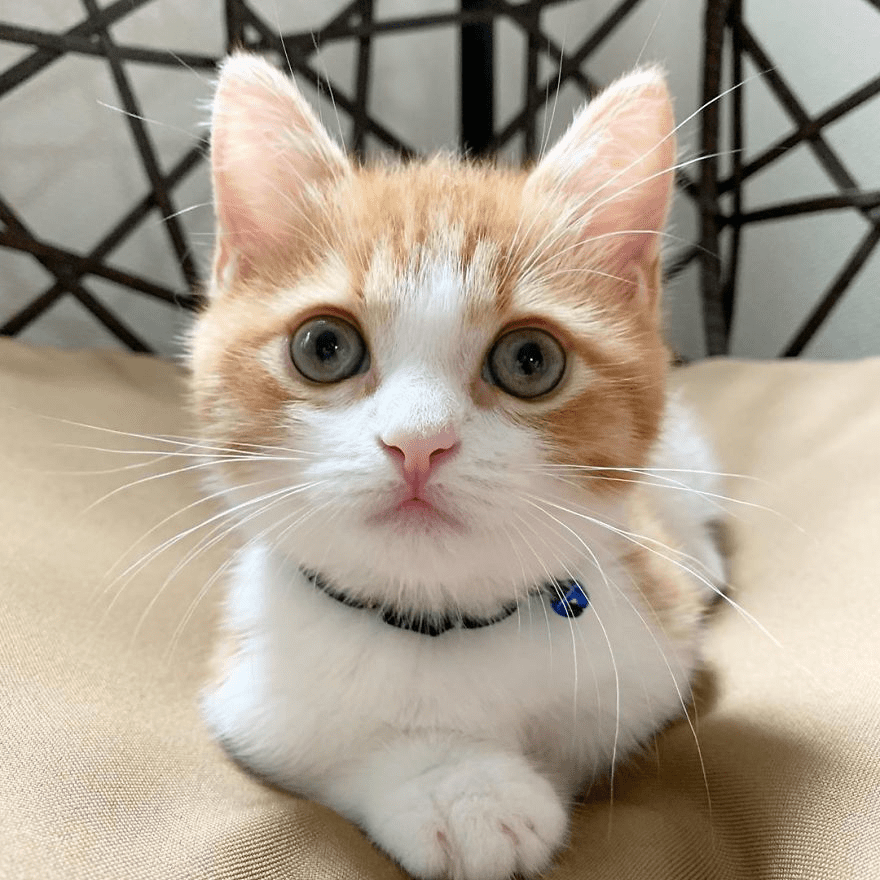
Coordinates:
[474,573]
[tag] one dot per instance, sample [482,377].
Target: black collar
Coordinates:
[567,598]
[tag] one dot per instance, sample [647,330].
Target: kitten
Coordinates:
[460,595]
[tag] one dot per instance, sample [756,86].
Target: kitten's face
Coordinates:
[431,346]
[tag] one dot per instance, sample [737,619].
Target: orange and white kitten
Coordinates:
[475,553]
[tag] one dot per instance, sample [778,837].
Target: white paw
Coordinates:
[482,819]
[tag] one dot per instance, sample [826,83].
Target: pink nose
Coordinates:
[417,456]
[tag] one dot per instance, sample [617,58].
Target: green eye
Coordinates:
[328,349]
[526,363]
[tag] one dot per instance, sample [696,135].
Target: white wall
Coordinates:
[66,164]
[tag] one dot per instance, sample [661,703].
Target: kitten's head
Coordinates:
[411,357]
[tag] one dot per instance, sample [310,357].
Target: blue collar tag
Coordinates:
[572,600]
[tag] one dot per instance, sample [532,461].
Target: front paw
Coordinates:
[481,819]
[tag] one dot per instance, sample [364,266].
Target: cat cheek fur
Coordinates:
[458,754]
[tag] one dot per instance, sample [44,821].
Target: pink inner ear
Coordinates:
[268,154]
[617,160]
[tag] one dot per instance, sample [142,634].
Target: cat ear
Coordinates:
[270,156]
[614,164]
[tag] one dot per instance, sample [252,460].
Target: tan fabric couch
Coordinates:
[106,772]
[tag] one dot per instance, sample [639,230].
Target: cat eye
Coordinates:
[526,363]
[328,349]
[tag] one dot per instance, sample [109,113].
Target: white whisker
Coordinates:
[638,60]
[672,133]
[611,656]
[548,125]
[140,118]
[202,499]
[672,485]
[230,512]
[206,542]
[645,543]
[186,210]
[170,440]
[201,465]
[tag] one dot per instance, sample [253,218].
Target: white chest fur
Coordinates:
[322,697]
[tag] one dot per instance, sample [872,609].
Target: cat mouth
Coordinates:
[416,505]
[416,511]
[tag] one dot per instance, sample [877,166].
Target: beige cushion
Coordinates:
[106,772]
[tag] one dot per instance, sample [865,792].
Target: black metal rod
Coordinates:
[362,85]
[569,66]
[93,264]
[132,220]
[306,43]
[29,313]
[271,41]
[16,229]
[832,296]
[829,160]
[869,199]
[234,25]
[114,324]
[345,31]
[76,266]
[36,61]
[147,154]
[716,329]
[737,132]
[10,33]
[476,81]
[533,47]
[832,114]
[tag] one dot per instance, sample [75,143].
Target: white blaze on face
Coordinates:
[423,361]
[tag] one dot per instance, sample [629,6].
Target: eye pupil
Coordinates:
[326,345]
[530,359]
